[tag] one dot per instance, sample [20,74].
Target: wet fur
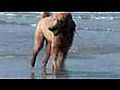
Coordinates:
[56,46]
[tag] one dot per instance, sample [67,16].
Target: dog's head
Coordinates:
[60,21]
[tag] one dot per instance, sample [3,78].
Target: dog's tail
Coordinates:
[45,14]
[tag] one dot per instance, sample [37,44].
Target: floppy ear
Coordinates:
[71,25]
[69,16]
[45,14]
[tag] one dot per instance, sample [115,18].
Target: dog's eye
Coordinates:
[54,19]
[59,21]
[63,21]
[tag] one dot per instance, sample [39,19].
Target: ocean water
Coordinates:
[95,52]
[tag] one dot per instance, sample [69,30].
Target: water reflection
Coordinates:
[32,76]
[61,74]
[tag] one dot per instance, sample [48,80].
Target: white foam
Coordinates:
[7,56]
[10,14]
[33,25]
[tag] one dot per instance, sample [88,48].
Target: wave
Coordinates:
[97,18]
[17,23]
[98,49]
[31,18]
[13,55]
[79,27]
[81,15]
[88,28]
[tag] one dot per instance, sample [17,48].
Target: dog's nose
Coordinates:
[53,28]
[50,28]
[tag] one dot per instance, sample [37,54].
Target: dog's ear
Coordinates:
[69,16]
[71,25]
[45,14]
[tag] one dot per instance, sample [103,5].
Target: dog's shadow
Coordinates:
[61,74]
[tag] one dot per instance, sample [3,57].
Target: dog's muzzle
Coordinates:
[52,28]
[55,30]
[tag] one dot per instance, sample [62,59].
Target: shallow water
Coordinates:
[95,52]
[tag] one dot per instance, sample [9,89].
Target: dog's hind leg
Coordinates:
[47,56]
[38,44]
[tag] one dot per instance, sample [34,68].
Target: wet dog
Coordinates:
[57,29]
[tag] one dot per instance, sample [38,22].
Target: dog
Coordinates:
[57,29]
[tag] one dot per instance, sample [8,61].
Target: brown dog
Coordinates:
[57,30]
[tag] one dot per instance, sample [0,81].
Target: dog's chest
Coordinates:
[62,41]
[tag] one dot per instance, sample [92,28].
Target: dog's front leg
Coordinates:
[46,57]
[61,58]
[38,44]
